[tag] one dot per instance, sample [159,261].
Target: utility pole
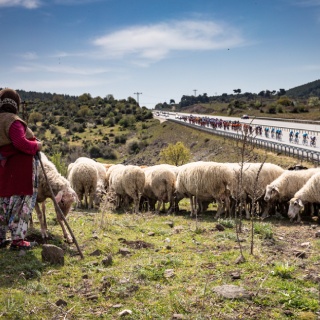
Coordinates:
[195,92]
[138,93]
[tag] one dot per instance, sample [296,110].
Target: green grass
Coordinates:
[174,274]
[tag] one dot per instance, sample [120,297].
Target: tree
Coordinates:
[172,101]
[85,97]
[177,154]
[237,91]
[84,111]
[281,92]
[35,117]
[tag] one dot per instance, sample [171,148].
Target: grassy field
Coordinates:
[165,267]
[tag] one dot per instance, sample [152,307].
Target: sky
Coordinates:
[158,50]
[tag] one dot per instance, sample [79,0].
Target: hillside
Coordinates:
[120,131]
[311,89]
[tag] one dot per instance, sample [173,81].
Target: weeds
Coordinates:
[283,270]
[263,229]
[228,223]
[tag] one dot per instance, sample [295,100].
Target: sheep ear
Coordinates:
[58,197]
[300,203]
[75,197]
[276,189]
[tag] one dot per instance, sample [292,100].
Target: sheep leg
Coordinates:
[160,202]
[265,213]
[248,214]
[171,204]
[193,210]
[86,201]
[227,204]
[64,231]
[40,218]
[44,215]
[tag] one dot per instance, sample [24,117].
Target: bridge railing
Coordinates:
[283,148]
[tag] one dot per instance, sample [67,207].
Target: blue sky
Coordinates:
[163,49]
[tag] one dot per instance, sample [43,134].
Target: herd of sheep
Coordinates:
[259,188]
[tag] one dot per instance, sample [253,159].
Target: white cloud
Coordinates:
[59,85]
[156,42]
[62,69]
[29,56]
[29,4]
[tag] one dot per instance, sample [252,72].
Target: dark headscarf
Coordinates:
[9,101]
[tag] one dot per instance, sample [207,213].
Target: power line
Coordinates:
[138,93]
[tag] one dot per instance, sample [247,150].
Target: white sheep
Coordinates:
[83,178]
[127,182]
[309,193]
[287,184]
[65,196]
[204,181]
[99,174]
[160,182]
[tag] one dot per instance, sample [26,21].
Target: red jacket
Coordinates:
[16,163]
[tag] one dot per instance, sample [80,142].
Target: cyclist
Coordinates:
[305,138]
[278,134]
[291,136]
[313,141]
[272,133]
[266,132]
[296,140]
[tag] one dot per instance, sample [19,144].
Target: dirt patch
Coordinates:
[138,244]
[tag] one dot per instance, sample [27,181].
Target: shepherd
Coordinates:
[18,172]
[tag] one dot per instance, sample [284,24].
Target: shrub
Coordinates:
[272,110]
[60,165]
[133,147]
[94,152]
[121,139]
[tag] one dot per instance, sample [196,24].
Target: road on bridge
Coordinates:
[285,126]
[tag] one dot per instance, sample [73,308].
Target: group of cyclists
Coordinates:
[294,137]
[275,133]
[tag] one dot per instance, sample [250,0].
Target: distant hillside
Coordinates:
[311,89]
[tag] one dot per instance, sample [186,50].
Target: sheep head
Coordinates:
[295,205]
[271,192]
[65,198]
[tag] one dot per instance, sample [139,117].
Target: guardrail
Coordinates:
[286,149]
[290,120]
